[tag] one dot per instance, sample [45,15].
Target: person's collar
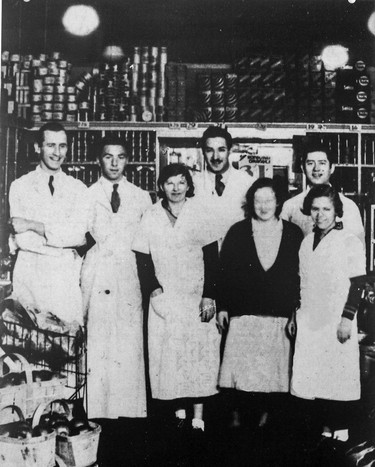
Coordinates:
[337,226]
[109,184]
[225,175]
[43,173]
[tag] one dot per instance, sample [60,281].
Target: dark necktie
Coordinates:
[115,198]
[219,185]
[50,184]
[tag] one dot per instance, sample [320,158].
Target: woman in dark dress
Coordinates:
[259,292]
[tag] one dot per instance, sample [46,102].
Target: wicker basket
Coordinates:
[30,395]
[38,451]
[75,451]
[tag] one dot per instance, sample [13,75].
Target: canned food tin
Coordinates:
[47,106]
[43,71]
[55,55]
[36,118]
[71,106]
[163,56]
[71,98]
[37,97]
[59,97]
[137,55]
[54,71]
[36,63]
[47,97]
[48,89]
[26,65]
[147,115]
[36,108]
[60,80]
[49,80]
[37,85]
[71,90]
[71,117]
[42,57]
[363,80]
[362,113]
[60,89]
[28,58]
[14,58]
[360,65]
[46,116]
[62,64]
[58,116]
[362,96]
[58,107]
[5,56]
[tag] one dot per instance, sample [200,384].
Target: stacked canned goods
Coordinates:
[176,97]
[50,91]
[353,96]
[15,78]
[148,84]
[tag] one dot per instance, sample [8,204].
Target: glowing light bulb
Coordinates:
[351,1]
[80,20]
[371,23]
[334,57]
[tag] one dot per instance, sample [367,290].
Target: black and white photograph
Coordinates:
[187,233]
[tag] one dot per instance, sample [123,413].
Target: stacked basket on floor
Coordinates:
[23,394]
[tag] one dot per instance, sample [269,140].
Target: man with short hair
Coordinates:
[318,167]
[221,186]
[111,291]
[48,215]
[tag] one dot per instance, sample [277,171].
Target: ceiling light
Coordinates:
[371,23]
[80,20]
[334,57]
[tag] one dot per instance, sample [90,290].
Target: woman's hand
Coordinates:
[222,321]
[291,326]
[207,309]
[344,330]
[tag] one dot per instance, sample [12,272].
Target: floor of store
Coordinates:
[283,442]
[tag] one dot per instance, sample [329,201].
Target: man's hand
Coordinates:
[291,326]
[207,309]
[21,225]
[222,321]
[344,330]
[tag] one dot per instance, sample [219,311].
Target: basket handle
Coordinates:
[42,407]
[16,409]
[25,364]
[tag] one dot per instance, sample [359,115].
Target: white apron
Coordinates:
[322,366]
[183,351]
[46,274]
[112,298]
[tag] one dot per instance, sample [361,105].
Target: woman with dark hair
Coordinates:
[177,258]
[326,358]
[259,292]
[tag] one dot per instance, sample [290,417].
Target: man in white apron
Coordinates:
[220,186]
[48,215]
[318,167]
[112,295]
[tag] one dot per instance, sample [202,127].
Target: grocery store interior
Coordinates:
[157,73]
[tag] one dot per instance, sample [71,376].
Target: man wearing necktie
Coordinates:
[220,185]
[111,292]
[48,215]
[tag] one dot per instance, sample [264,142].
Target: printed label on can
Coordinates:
[47,97]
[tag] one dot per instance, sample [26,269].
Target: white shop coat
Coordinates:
[46,273]
[113,303]
[183,351]
[322,366]
[227,208]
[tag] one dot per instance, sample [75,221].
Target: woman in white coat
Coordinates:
[176,261]
[326,358]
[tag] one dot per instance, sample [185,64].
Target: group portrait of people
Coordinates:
[220,287]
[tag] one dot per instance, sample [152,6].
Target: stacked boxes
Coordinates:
[353,98]
[217,97]
[261,88]
[176,96]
